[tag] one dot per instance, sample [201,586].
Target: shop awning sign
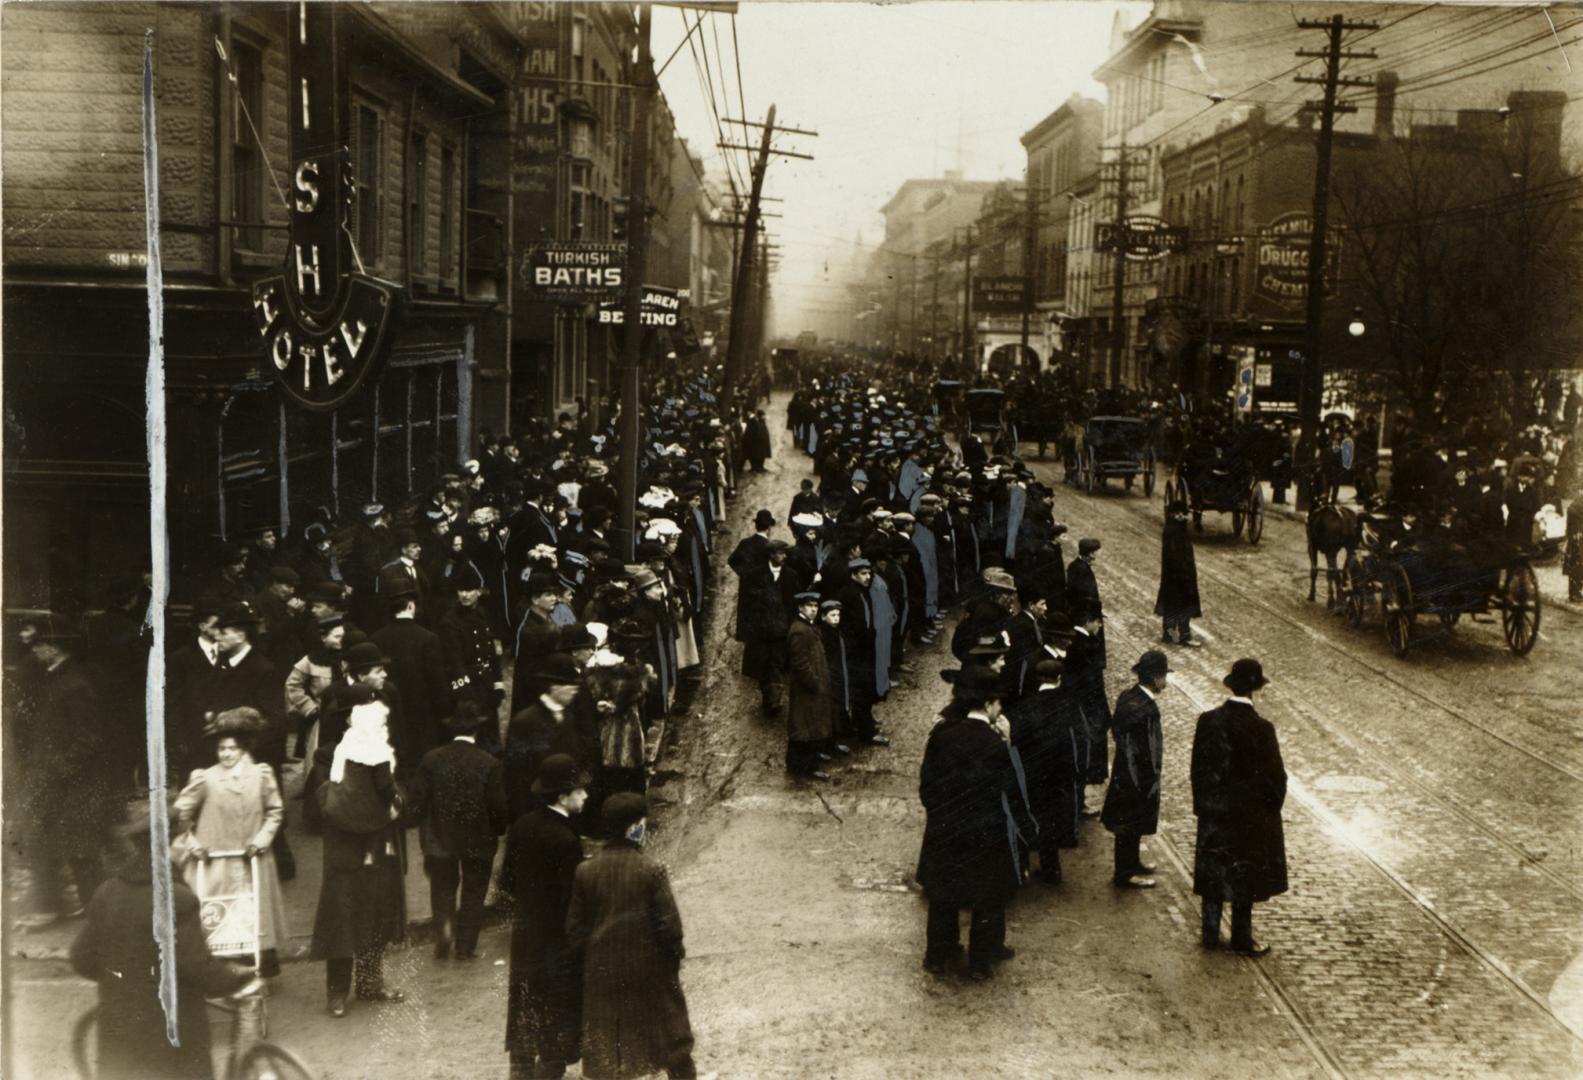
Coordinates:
[661,307]
[323,323]
[575,270]
[1001,295]
[1141,238]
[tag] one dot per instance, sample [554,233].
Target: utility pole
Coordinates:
[744,279]
[912,322]
[969,366]
[632,314]
[1313,381]
[1119,271]
[934,313]
[1029,247]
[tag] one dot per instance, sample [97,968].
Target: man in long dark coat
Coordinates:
[809,724]
[544,1000]
[1177,601]
[1045,733]
[417,666]
[1082,590]
[762,619]
[857,631]
[975,812]
[756,441]
[1132,803]
[542,728]
[1085,680]
[1239,785]
[625,924]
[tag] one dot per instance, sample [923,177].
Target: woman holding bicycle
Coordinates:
[235,806]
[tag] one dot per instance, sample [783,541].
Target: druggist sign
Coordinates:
[575,271]
[323,323]
[661,308]
[1281,268]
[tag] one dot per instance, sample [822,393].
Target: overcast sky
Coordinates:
[895,91]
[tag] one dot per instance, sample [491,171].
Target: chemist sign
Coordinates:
[323,321]
[1281,254]
[574,270]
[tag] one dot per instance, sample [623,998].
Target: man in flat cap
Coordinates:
[1239,786]
[809,721]
[1132,802]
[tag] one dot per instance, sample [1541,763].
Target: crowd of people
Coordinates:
[484,660]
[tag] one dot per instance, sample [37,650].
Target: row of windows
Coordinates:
[426,178]
[1215,284]
[1136,96]
[1208,209]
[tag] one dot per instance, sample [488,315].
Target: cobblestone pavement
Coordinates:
[1435,922]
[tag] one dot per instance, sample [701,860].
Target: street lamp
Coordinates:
[1356,327]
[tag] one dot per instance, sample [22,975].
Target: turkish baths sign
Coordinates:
[574,270]
[1281,267]
[323,323]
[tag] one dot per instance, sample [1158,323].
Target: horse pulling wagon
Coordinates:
[1442,575]
[1120,446]
[1226,484]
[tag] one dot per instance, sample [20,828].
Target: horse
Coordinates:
[1331,529]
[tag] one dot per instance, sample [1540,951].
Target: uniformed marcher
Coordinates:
[1239,786]
[1132,803]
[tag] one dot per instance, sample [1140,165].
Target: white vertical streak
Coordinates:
[159,551]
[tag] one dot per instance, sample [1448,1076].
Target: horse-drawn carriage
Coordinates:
[1227,483]
[985,415]
[1121,446]
[1437,572]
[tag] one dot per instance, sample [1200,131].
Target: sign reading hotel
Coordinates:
[323,322]
[1281,269]
[574,270]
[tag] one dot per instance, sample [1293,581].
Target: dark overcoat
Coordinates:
[808,717]
[857,630]
[544,1000]
[974,809]
[116,950]
[417,667]
[533,735]
[761,609]
[537,637]
[1084,679]
[1132,802]
[458,799]
[253,682]
[1082,590]
[1045,732]
[1239,785]
[1178,595]
[362,904]
[625,924]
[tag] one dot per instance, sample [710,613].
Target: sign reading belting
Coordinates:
[323,323]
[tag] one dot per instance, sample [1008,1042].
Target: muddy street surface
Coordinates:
[1434,826]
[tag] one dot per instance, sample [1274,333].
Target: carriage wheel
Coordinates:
[1399,613]
[1355,591]
[1520,609]
[1256,514]
[1148,477]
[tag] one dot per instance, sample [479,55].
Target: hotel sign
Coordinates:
[324,320]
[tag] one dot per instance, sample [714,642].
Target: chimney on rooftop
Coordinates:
[1385,103]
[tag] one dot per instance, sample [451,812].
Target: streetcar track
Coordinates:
[1383,673]
[1328,823]
[1298,704]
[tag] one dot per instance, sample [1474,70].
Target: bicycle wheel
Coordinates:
[266,1061]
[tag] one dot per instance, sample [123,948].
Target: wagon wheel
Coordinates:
[1256,513]
[1520,609]
[1088,474]
[1355,589]
[1399,612]
[1148,476]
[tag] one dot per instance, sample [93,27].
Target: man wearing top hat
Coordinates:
[542,727]
[544,998]
[416,664]
[1239,786]
[1132,802]
[458,798]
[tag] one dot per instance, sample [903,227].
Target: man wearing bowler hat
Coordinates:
[544,1000]
[625,925]
[753,551]
[459,801]
[541,728]
[417,666]
[1132,802]
[1239,785]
